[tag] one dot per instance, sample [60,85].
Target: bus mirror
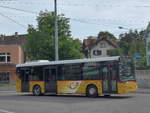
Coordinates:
[18,72]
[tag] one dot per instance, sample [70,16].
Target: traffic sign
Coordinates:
[137,56]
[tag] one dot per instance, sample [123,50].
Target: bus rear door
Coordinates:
[50,79]
[109,79]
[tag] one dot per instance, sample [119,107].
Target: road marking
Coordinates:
[4,111]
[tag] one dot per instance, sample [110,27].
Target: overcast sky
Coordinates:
[88,17]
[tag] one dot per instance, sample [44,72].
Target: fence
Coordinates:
[143,78]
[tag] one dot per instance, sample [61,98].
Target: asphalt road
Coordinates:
[11,102]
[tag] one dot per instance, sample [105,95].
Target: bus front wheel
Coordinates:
[37,90]
[92,91]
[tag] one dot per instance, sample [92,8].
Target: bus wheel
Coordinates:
[92,91]
[37,90]
[107,95]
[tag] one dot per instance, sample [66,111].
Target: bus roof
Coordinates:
[40,63]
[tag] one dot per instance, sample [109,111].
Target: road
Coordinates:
[11,102]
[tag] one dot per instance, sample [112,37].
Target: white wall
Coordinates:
[104,50]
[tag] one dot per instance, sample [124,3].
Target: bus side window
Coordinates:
[72,72]
[36,73]
[90,72]
[60,75]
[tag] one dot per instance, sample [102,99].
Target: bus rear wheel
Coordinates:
[92,91]
[37,90]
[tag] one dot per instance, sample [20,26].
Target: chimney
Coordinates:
[2,37]
[16,34]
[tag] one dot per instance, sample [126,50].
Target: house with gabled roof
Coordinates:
[98,47]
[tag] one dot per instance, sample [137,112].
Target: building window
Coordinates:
[4,77]
[97,52]
[5,57]
[108,52]
[102,45]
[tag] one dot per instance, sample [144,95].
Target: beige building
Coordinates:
[94,48]
[11,53]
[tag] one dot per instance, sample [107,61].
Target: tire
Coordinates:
[92,91]
[37,90]
[107,95]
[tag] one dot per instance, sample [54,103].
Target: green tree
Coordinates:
[116,52]
[132,43]
[40,40]
[106,34]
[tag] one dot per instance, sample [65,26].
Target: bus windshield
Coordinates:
[126,69]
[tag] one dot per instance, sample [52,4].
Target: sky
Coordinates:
[87,17]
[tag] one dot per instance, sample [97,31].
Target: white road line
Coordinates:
[4,111]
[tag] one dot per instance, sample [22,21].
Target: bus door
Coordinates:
[50,74]
[25,80]
[109,80]
[113,70]
[105,79]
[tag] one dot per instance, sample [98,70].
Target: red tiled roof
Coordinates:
[89,43]
[15,39]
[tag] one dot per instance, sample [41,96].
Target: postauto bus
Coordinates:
[90,77]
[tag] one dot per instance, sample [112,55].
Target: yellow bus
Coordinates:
[90,77]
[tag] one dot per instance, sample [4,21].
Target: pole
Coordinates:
[147,61]
[56,31]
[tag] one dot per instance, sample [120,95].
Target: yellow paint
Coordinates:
[77,87]
[127,87]
[40,83]
[18,85]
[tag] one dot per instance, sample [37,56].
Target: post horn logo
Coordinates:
[73,85]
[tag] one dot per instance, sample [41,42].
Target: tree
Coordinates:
[40,40]
[116,52]
[106,34]
[132,43]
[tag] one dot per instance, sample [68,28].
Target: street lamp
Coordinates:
[147,41]
[120,27]
[56,31]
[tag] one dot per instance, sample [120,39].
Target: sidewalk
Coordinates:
[144,90]
[7,87]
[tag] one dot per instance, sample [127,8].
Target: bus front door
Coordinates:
[25,80]
[50,79]
[109,79]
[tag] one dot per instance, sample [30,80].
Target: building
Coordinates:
[11,53]
[98,47]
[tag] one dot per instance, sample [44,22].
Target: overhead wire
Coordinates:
[7,0]
[14,21]
[88,21]
[23,3]
[26,11]
[83,20]
[73,4]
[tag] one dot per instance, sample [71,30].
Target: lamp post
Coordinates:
[120,27]
[147,41]
[56,31]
